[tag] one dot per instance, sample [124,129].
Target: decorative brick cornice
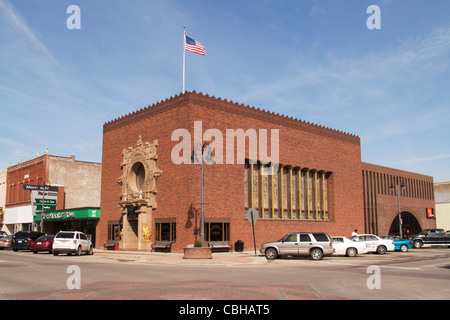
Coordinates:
[224,105]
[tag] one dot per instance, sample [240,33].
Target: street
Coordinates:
[419,274]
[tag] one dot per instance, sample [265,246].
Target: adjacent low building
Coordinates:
[442,198]
[389,193]
[69,184]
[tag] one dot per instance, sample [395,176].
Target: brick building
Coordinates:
[74,184]
[151,190]
[381,201]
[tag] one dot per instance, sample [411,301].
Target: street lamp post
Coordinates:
[195,159]
[397,188]
[44,184]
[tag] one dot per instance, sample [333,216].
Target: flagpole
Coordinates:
[184,56]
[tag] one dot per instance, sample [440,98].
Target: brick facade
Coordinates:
[301,145]
[381,201]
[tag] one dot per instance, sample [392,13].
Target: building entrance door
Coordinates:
[409,223]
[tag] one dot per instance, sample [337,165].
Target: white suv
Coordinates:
[71,242]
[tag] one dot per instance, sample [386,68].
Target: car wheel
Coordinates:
[351,252]
[381,250]
[90,251]
[34,252]
[403,248]
[55,253]
[417,244]
[271,254]
[78,252]
[316,254]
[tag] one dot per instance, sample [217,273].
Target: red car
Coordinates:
[43,243]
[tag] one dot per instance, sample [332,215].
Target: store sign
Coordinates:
[86,213]
[430,213]
[59,215]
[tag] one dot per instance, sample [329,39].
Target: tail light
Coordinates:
[331,244]
[74,241]
[13,240]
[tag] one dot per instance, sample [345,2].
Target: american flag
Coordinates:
[194,46]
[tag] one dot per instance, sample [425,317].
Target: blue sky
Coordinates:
[314,59]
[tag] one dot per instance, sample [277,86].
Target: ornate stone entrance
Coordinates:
[140,173]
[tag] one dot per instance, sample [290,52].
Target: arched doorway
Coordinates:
[410,225]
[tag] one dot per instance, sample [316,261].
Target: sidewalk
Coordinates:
[218,258]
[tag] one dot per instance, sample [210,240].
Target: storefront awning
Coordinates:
[69,214]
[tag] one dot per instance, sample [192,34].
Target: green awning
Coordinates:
[70,214]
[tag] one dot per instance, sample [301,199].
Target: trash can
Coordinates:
[239,246]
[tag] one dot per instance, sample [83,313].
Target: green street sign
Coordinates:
[46,201]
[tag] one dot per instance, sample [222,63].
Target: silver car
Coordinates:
[313,244]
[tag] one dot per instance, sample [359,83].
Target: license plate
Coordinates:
[39,243]
[19,241]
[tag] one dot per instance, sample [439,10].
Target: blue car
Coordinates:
[399,243]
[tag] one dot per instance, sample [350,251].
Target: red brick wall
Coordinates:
[301,144]
[29,172]
[417,196]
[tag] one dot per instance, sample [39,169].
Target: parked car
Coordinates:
[5,241]
[315,244]
[399,243]
[347,247]
[21,240]
[431,237]
[43,243]
[375,243]
[71,242]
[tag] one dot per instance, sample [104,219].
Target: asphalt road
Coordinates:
[419,274]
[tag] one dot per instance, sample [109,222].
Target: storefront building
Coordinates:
[68,184]
[76,219]
[297,175]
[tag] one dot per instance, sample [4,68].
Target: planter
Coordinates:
[197,253]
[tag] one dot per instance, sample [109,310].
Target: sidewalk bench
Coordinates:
[162,245]
[220,245]
[111,244]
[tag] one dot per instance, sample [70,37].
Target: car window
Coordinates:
[372,238]
[83,236]
[321,237]
[65,235]
[36,235]
[21,235]
[338,240]
[305,238]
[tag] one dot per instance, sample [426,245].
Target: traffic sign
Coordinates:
[251,215]
[32,187]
